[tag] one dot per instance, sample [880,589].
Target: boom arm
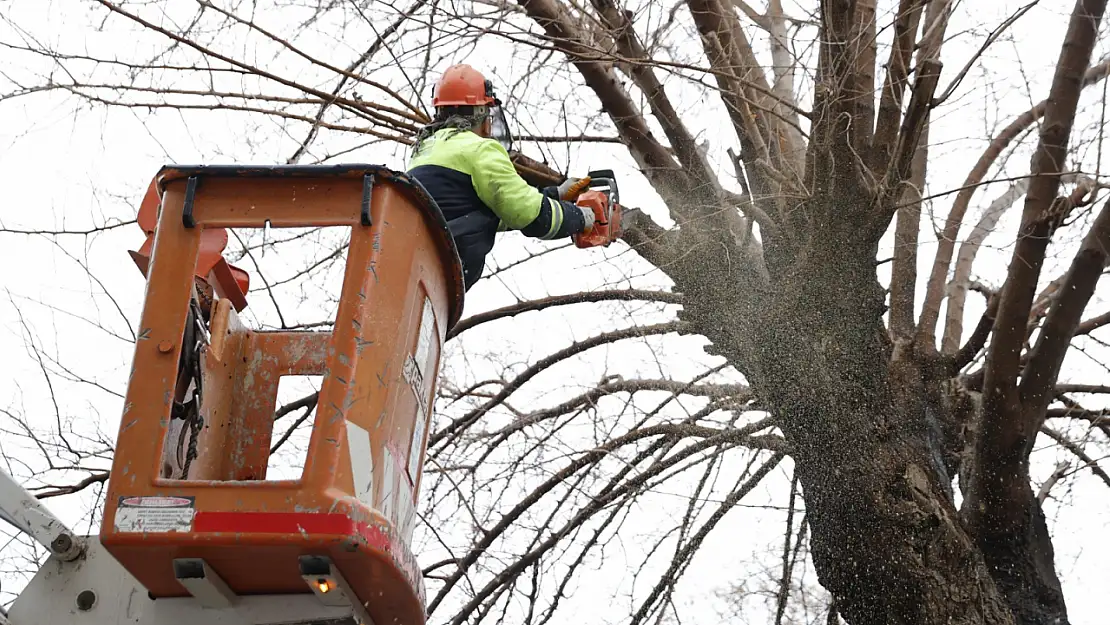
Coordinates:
[27,514]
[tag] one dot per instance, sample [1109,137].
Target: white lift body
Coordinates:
[82,584]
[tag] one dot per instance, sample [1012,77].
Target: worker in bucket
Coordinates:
[461,158]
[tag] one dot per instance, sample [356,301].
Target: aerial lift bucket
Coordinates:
[215,528]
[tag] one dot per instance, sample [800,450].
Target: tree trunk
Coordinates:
[888,543]
[887,539]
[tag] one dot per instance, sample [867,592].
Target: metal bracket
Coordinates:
[190,198]
[209,589]
[367,194]
[330,587]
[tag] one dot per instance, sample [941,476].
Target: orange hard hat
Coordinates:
[462,85]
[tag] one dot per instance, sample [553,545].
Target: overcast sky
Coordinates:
[65,165]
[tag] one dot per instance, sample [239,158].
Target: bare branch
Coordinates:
[87,232]
[1059,473]
[407,14]
[57,491]
[1075,449]
[563,300]
[463,422]
[897,79]
[907,228]
[961,279]
[990,39]
[1082,388]
[1093,324]
[695,541]
[934,293]
[630,47]
[1047,357]
[597,502]
[651,155]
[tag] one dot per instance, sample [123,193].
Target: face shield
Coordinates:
[499,125]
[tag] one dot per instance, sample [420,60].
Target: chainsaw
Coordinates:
[602,197]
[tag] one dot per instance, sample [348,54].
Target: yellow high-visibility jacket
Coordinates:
[479,192]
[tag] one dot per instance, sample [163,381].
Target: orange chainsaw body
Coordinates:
[602,198]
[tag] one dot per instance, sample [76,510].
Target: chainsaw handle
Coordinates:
[605,180]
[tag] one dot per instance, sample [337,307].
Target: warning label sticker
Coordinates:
[155,514]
